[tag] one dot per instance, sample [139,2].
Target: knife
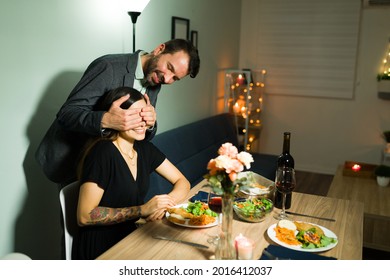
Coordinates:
[310,216]
[181,241]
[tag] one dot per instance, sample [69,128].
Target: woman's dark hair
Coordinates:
[107,99]
[176,45]
[104,104]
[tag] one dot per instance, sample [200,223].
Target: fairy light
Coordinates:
[384,74]
[245,101]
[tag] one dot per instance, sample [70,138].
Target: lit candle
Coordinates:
[244,247]
[240,79]
[236,108]
[356,167]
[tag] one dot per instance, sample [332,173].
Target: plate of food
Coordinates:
[302,236]
[193,215]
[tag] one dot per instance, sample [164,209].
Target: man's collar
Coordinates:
[139,72]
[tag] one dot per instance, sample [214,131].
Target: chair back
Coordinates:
[68,199]
[15,256]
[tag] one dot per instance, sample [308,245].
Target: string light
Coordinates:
[384,74]
[241,92]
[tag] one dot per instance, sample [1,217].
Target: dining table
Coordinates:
[342,217]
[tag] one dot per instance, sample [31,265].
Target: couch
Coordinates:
[191,146]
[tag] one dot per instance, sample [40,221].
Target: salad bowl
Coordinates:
[253,210]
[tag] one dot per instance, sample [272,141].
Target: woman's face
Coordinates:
[139,132]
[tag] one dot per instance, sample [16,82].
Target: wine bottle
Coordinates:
[285,159]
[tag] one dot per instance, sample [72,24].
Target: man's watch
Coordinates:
[104,132]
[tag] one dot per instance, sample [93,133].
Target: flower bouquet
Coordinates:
[223,169]
[223,179]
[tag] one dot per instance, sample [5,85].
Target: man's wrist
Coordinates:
[104,132]
[150,128]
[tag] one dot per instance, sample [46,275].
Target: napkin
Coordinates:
[285,253]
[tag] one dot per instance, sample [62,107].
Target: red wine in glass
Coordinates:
[284,183]
[285,187]
[215,204]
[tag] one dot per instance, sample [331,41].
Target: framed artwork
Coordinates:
[194,38]
[180,28]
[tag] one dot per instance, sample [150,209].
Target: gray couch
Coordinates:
[191,146]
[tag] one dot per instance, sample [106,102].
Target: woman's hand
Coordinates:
[155,208]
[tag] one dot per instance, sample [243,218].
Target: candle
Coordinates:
[244,247]
[356,167]
[240,79]
[236,108]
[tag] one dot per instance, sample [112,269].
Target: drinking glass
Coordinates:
[214,202]
[285,183]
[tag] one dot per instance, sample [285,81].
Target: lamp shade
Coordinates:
[134,5]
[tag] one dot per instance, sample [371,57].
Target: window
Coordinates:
[309,47]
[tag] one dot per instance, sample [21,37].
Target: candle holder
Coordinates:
[244,247]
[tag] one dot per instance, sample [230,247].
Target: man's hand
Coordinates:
[120,119]
[148,113]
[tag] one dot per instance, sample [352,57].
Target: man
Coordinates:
[77,120]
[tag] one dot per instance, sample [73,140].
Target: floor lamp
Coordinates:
[135,8]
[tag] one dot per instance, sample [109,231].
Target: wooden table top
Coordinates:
[348,228]
[375,198]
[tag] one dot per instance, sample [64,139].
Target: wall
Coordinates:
[327,132]
[45,47]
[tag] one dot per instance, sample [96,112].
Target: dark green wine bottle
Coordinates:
[285,159]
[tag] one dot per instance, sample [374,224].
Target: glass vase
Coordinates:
[225,248]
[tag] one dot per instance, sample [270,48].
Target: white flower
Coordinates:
[245,158]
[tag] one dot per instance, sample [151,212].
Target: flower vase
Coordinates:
[225,249]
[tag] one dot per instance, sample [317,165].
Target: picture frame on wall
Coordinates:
[194,38]
[180,28]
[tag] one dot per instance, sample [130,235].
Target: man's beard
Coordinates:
[150,68]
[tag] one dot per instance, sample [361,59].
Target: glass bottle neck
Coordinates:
[286,143]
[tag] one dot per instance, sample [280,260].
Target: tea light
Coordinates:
[356,167]
[244,247]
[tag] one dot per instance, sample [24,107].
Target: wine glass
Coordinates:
[285,183]
[214,202]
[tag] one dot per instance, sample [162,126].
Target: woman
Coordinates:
[114,177]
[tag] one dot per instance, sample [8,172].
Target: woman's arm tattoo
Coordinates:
[107,216]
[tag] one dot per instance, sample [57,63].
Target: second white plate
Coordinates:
[272,234]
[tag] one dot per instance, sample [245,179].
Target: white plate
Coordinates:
[186,223]
[272,234]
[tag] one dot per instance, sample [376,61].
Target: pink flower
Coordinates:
[223,162]
[234,166]
[228,149]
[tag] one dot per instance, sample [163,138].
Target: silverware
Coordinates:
[310,216]
[181,241]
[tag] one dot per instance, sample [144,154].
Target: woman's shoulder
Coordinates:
[103,147]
